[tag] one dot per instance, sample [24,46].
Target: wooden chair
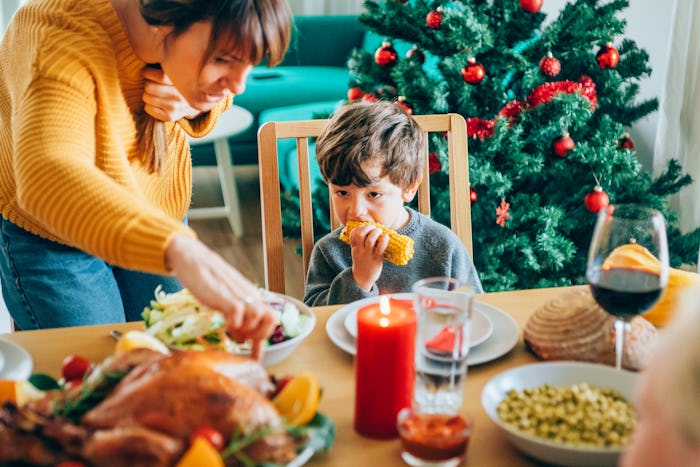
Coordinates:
[460,206]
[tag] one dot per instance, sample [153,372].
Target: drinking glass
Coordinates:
[432,431]
[623,286]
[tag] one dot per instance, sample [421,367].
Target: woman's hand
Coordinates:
[162,101]
[217,284]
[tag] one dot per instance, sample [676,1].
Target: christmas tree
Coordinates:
[547,107]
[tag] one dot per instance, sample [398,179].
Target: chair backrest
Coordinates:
[460,206]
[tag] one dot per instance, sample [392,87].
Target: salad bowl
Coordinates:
[292,328]
[183,323]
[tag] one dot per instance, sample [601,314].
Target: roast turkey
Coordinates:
[147,418]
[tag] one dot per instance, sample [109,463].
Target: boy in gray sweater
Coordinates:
[371,157]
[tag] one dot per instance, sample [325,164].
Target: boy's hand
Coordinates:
[368,244]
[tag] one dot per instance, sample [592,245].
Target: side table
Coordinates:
[231,123]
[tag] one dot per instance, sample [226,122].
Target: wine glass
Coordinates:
[627,266]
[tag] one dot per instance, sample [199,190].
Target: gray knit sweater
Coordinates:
[438,252]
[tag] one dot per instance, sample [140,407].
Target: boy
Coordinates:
[371,155]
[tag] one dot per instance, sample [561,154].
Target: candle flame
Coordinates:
[384,307]
[384,322]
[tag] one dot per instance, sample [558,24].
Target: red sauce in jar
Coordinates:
[434,437]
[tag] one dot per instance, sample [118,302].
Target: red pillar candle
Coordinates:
[384,365]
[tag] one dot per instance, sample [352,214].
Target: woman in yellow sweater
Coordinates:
[96,101]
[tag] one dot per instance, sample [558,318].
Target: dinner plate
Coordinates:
[18,363]
[481,325]
[503,338]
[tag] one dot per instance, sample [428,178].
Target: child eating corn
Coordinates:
[371,157]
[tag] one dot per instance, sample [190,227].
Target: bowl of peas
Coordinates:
[564,413]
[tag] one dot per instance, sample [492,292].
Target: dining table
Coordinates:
[334,369]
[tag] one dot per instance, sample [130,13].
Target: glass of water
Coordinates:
[444,309]
[433,432]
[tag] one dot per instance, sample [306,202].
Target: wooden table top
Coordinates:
[334,370]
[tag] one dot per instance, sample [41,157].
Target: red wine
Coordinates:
[624,292]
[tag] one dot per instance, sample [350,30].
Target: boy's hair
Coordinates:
[381,133]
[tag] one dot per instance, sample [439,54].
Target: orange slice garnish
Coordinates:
[298,400]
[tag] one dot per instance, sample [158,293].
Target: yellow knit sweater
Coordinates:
[70,93]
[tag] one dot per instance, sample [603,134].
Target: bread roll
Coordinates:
[574,327]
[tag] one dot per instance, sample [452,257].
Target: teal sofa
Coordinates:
[314,72]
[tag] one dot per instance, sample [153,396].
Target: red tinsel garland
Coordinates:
[546,92]
[482,129]
[479,128]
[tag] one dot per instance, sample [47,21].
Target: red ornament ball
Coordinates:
[562,145]
[473,73]
[385,55]
[416,54]
[550,66]
[626,142]
[531,6]
[370,97]
[434,19]
[472,196]
[596,199]
[607,57]
[355,94]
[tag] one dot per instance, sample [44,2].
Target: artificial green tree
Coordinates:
[547,108]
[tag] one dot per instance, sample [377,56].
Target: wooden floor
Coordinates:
[245,253]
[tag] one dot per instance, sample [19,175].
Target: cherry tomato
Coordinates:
[211,435]
[74,367]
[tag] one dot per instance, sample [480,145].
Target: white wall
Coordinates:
[649,25]
[325,7]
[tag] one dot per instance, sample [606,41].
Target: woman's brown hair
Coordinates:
[262,26]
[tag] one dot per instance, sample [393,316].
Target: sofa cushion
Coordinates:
[283,86]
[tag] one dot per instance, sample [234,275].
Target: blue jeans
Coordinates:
[48,285]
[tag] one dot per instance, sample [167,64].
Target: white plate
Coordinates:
[481,325]
[18,363]
[503,338]
[557,374]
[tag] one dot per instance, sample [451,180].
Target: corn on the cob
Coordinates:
[400,248]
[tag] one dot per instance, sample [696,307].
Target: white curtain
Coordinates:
[325,7]
[678,131]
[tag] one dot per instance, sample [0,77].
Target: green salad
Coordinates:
[181,322]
